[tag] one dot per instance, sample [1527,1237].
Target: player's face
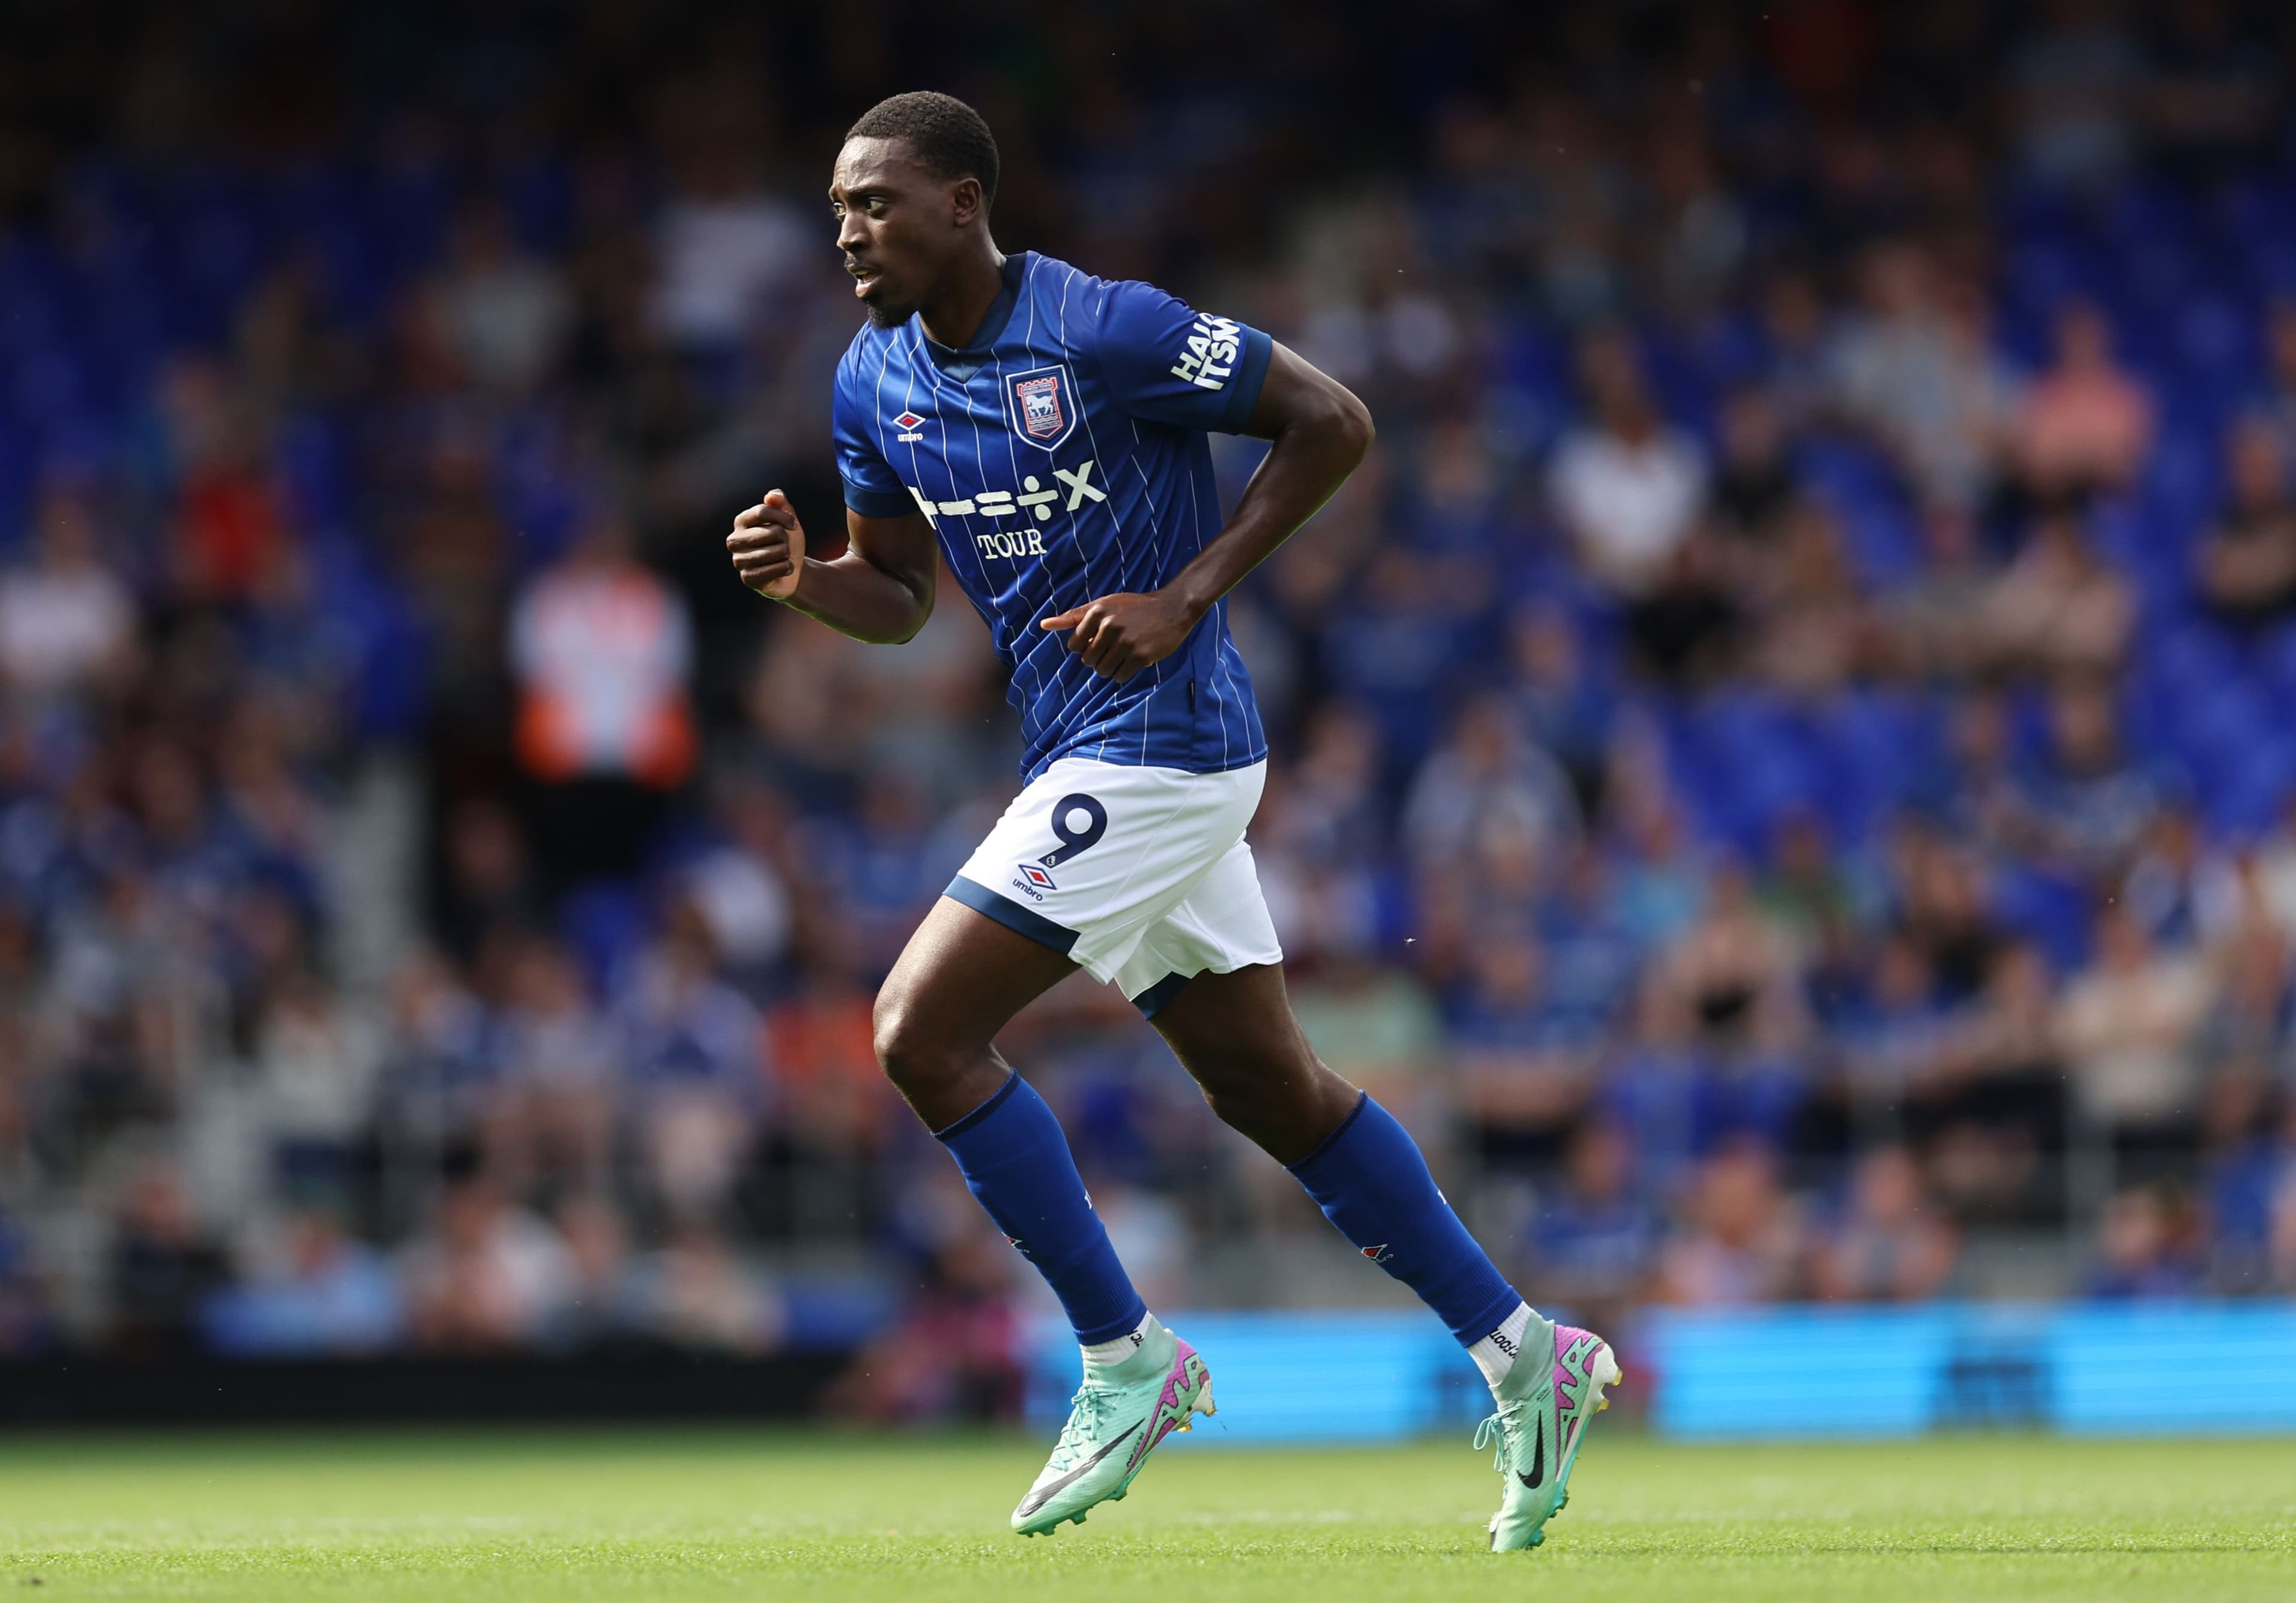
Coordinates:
[898,225]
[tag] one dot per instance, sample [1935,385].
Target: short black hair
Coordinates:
[948,136]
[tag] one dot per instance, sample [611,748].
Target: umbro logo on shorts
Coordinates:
[1127,868]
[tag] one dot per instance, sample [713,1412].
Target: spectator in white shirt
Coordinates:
[1628,488]
[507,311]
[66,621]
[723,248]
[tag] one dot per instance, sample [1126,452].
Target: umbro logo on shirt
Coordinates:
[909,423]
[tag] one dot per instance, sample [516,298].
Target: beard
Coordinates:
[884,315]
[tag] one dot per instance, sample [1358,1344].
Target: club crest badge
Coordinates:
[1043,403]
[1040,404]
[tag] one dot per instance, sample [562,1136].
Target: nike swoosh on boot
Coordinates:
[1538,1475]
[1038,1496]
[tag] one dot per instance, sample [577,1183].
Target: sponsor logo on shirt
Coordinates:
[1212,345]
[1033,501]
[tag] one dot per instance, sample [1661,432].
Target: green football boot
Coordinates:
[1545,1402]
[1117,1416]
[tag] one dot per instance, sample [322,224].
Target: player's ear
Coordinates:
[965,201]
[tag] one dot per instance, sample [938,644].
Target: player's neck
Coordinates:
[973,282]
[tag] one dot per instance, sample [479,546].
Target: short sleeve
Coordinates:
[1164,360]
[872,488]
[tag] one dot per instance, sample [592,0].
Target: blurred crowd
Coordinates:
[1784,776]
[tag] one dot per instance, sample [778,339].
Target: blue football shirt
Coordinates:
[1061,457]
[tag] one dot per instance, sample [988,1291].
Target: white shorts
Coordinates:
[1140,875]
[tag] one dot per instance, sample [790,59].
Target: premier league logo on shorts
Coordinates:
[1044,405]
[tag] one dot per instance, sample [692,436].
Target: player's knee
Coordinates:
[1244,1095]
[1228,1083]
[907,1051]
[1283,1100]
[1239,1108]
[1277,1125]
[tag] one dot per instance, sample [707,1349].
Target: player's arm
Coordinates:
[879,589]
[1319,432]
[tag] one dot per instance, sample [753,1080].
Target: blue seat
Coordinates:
[2272,265]
[2273,653]
[2250,210]
[2249,792]
[2217,342]
[2184,480]
[2052,913]
[47,383]
[1888,741]
[2044,274]
[605,922]
[2180,641]
[2216,722]
[1883,542]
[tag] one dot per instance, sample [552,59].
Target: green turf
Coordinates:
[725,1514]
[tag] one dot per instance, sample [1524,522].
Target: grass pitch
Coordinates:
[725,1514]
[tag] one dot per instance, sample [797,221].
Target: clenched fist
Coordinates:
[767,547]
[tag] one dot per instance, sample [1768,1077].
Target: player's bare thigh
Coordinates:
[960,979]
[1234,1033]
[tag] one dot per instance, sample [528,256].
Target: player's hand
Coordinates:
[767,547]
[1119,634]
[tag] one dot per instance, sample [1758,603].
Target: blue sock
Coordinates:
[1371,1180]
[1017,1162]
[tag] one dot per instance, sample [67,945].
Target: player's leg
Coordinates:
[1086,857]
[1235,1034]
[1220,1002]
[961,979]
[1210,975]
